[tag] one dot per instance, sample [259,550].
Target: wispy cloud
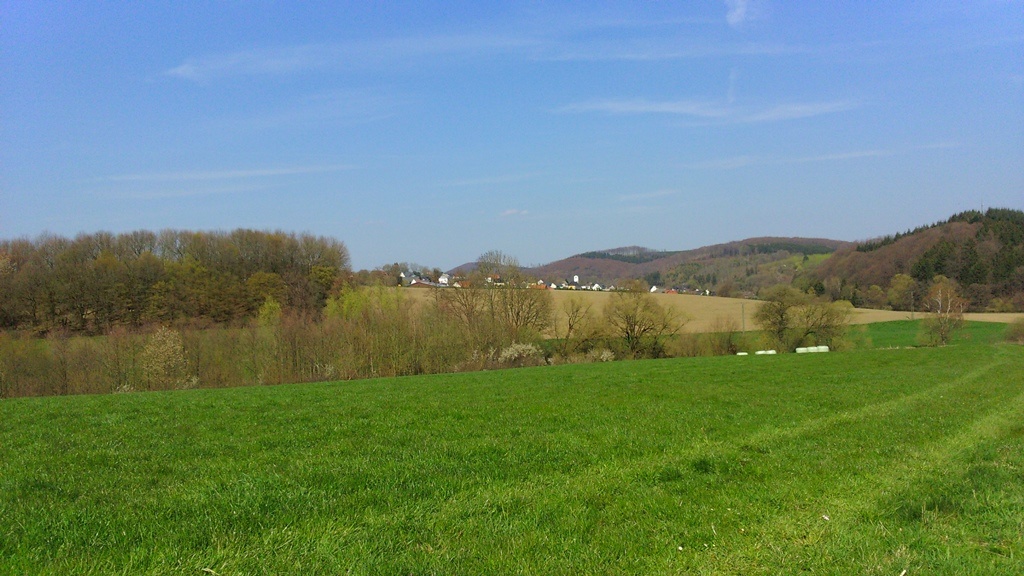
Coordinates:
[265,61]
[225,174]
[492,180]
[736,162]
[731,163]
[514,212]
[641,106]
[179,192]
[583,37]
[797,110]
[711,110]
[634,41]
[647,195]
[730,94]
[345,107]
[653,50]
[739,12]
[339,56]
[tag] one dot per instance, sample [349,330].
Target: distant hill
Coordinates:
[629,254]
[982,252]
[709,267]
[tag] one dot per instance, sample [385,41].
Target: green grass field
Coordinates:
[907,333]
[863,462]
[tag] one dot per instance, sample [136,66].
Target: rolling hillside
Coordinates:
[697,268]
[982,252]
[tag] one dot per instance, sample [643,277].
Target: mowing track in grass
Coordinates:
[868,462]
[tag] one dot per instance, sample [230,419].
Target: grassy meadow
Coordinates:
[873,461]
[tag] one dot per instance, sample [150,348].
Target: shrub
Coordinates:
[601,355]
[1015,331]
[790,318]
[688,346]
[119,353]
[723,335]
[518,355]
[947,308]
[163,361]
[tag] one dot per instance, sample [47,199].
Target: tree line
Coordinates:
[496,320]
[94,283]
[144,311]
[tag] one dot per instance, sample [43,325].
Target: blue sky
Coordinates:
[433,132]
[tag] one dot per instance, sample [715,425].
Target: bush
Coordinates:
[1000,305]
[688,346]
[790,319]
[164,364]
[518,355]
[1015,331]
[947,308]
[723,336]
[24,367]
[601,355]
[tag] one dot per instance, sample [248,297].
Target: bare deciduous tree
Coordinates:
[496,305]
[641,321]
[791,318]
[947,311]
[579,328]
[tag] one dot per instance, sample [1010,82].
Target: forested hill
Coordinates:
[982,251]
[705,268]
[96,281]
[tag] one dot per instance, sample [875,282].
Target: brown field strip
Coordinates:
[704,312]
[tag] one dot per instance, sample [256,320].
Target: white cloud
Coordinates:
[647,195]
[177,192]
[225,174]
[514,212]
[316,110]
[730,94]
[636,43]
[641,106]
[158,185]
[798,110]
[337,56]
[739,12]
[652,50]
[737,162]
[492,180]
[730,163]
[252,62]
[711,111]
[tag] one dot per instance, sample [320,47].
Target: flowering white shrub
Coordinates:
[601,355]
[163,361]
[517,354]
